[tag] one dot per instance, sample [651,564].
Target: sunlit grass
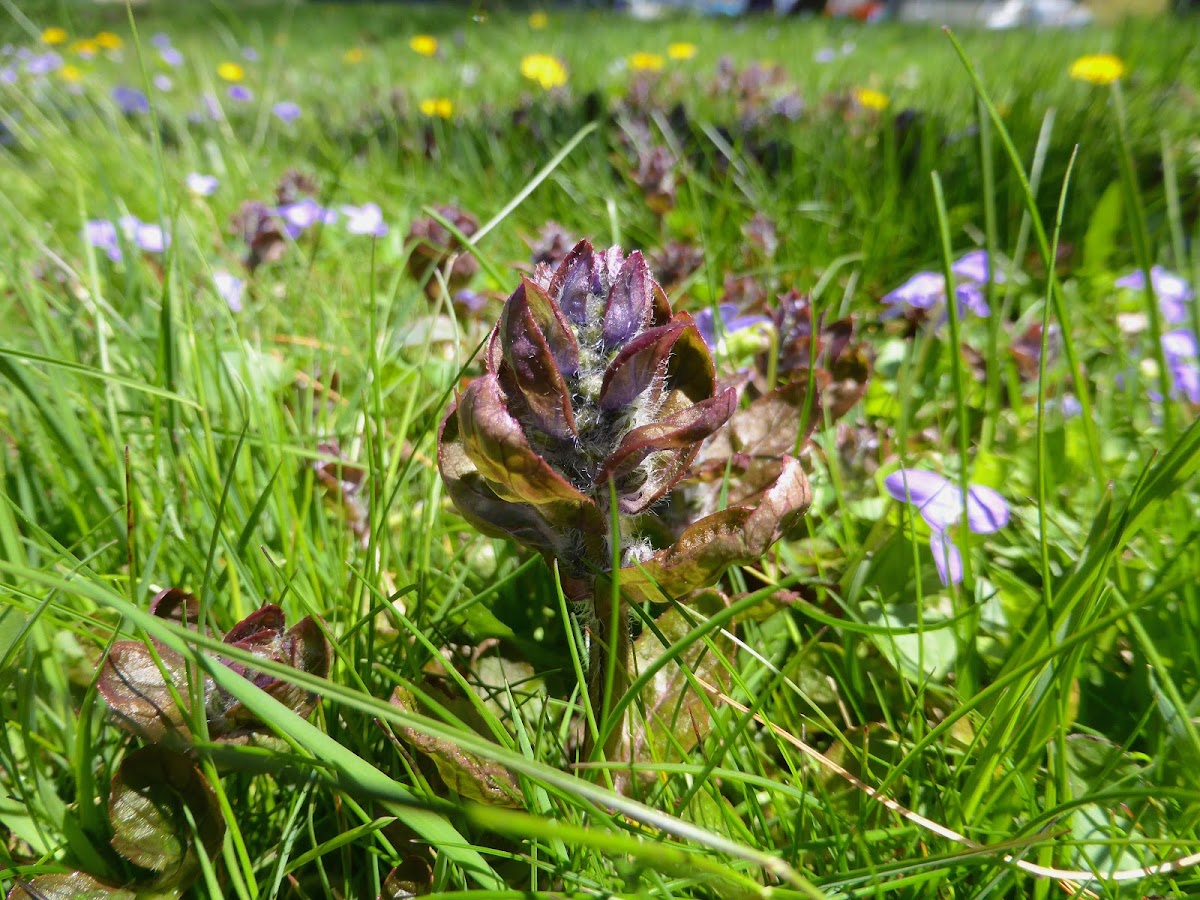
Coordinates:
[1032,724]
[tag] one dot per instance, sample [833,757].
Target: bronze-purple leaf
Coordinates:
[571,282]
[733,536]
[628,306]
[534,368]
[467,774]
[133,684]
[640,362]
[160,805]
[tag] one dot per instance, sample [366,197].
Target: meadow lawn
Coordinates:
[249,253]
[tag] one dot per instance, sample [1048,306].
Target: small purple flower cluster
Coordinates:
[1174,296]
[106,235]
[166,51]
[927,290]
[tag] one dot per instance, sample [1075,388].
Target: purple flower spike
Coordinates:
[230,289]
[286,111]
[940,504]
[1173,292]
[366,219]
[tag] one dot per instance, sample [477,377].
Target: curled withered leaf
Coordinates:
[467,774]
[160,805]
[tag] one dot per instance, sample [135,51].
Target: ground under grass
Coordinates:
[241,402]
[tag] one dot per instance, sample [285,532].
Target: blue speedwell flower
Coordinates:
[366,219]
[940,504]
[303,214]
[927,290]
[731,322]
[1173,292]
[1183,360]
[286,111]
[202,185]
[229,288]
[130,100]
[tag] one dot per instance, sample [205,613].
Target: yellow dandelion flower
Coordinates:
[85,47]
[54,35]
[424,44]
[109,41]
[70,74]
[871,98]
[437,107]
[546,70]
[681,50]
[645,62]
[1098,68]
[354,55]
[230,71]
[538,20]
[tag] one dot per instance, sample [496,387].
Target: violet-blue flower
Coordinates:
[926,290]
[731,322]
[230,289]
[286,111]
[102,234]
[200,184]
[160,40]
[130,100]
[1182,355]
[171,56]
[44,63]
[366,219]
[163,82]
[145,235]
[940,503]
[240,93]
[303,214]
[1172,291]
